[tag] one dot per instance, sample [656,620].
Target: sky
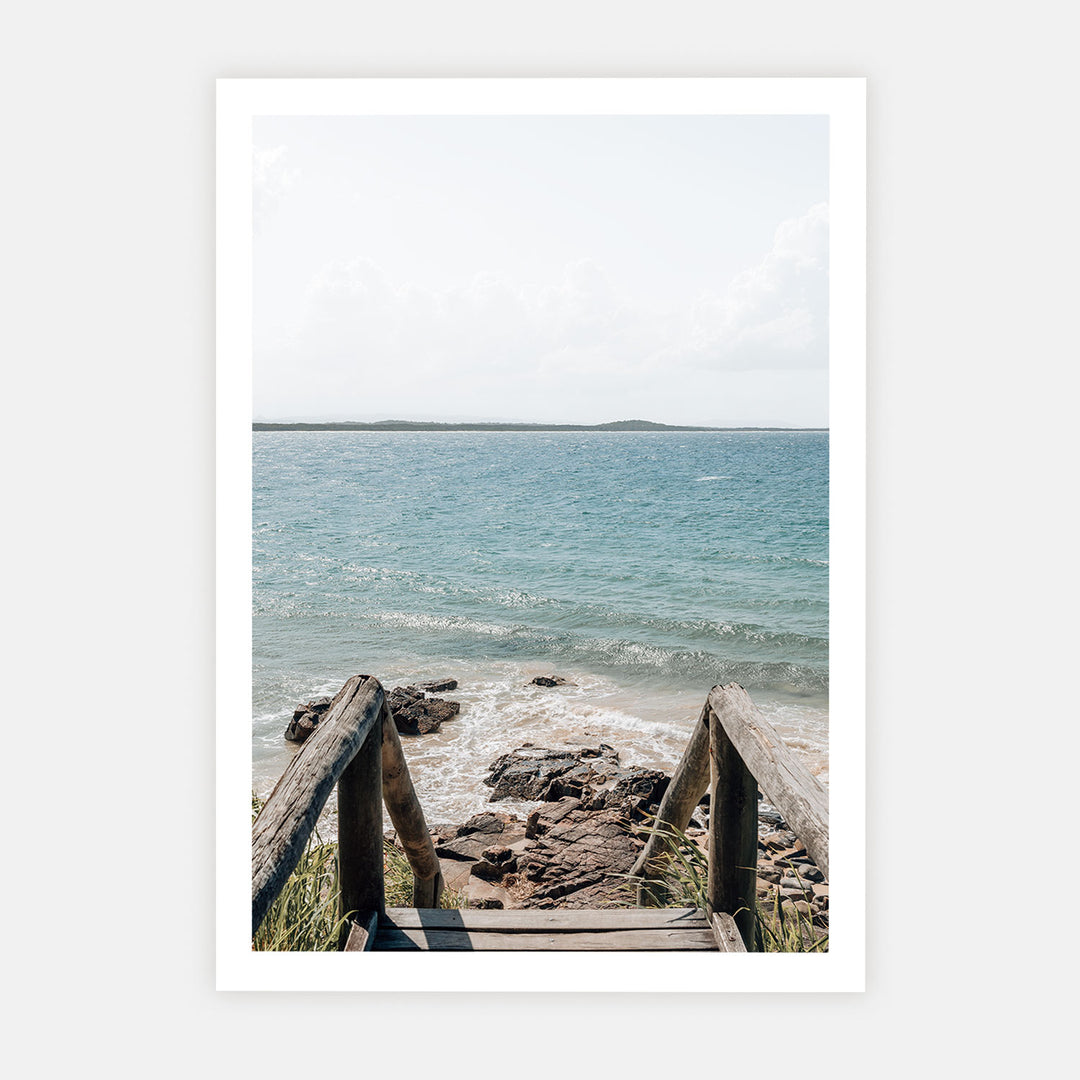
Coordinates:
[563,269]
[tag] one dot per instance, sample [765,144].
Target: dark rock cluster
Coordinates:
[305,718]
[414,712]
[787,877]
[417,714]
[591,774]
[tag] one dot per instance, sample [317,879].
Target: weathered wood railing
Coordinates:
[355,746]
[731,750]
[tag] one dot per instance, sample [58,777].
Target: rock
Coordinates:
[416,714]
[476,836]
[490,870]
[550,680]
[299,730]
[487,822]
[590,774]
[543,817]
[779,841]
[646,784]
[401,697]
[529,772]
[792,890]
[435,686]
[579,857]
[306,718]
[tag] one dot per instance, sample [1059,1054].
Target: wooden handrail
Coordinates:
[733,748]
[787,783]
[368,771]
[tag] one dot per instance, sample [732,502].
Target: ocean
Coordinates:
[643,567]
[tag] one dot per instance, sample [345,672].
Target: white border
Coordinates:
[843,968]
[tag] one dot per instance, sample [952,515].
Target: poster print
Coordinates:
[541,410]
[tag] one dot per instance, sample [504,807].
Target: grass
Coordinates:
[304,917]
[779,928]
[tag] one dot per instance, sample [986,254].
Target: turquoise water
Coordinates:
[643,567]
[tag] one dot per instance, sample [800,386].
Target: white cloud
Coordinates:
[354,309]
[502,340]
[271,178]
[773,316]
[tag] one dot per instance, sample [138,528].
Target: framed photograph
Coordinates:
[541,554]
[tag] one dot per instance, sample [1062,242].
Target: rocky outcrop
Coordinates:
[577,847]
[478,856]
[305,719]
[414,712]
[417,714]
[550,680]
[578,857]
[590,774]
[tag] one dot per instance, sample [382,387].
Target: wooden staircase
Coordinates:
[582,930]
[356,747]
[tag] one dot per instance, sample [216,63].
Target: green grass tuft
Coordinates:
[304,917]
[778,929]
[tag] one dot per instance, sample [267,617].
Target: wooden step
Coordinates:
[563,930]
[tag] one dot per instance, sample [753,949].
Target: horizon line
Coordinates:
[635,425]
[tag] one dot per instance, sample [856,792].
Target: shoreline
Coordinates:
[505,709]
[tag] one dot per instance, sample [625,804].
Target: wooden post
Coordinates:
[408,817]
[690,782]
[360,831]
[280,832]
[732,833]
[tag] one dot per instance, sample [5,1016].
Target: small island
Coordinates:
[432,425]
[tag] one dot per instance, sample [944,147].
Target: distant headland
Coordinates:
[434,425]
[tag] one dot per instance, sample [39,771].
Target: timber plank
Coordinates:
[728,938]
[532,921]
[393,938]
